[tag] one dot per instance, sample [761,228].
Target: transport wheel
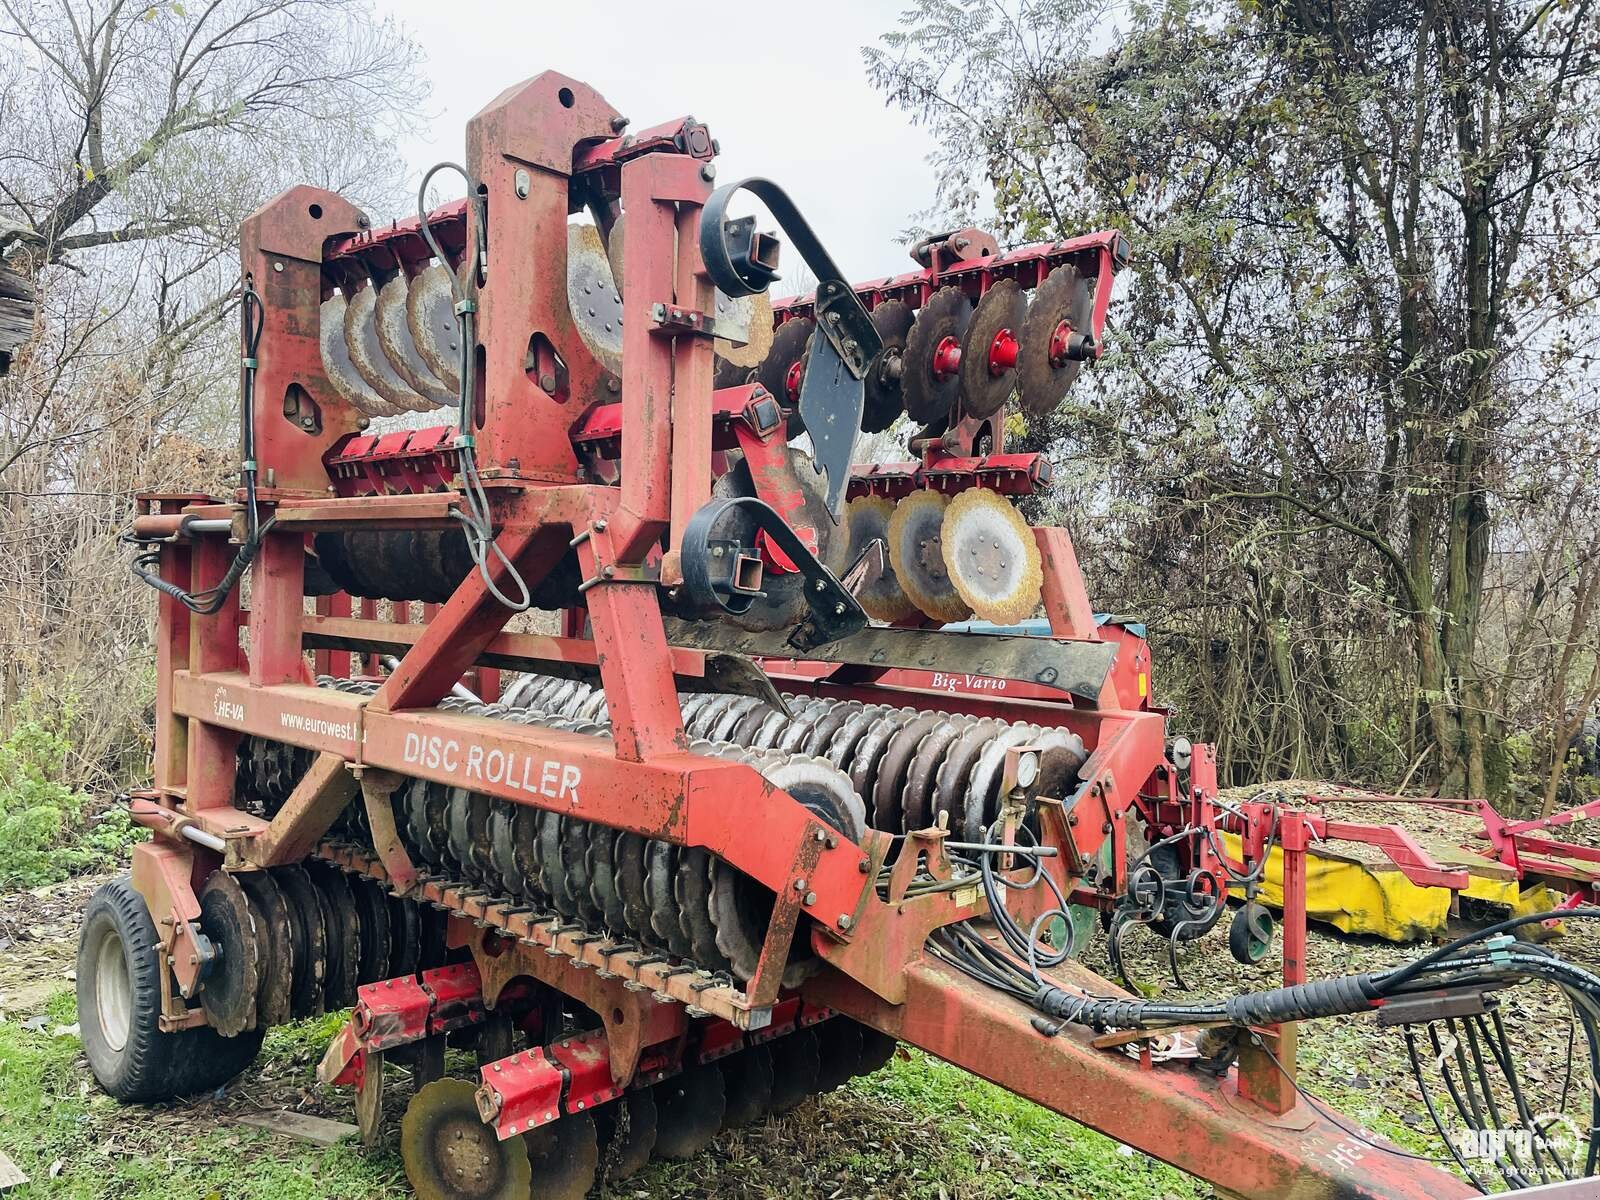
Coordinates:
[119,1009]
[1250,934]
[450,1154]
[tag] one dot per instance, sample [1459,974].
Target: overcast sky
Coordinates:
[781,86]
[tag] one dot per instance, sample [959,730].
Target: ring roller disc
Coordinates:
[750,319]
[928,397]
[228,994]
[450,1154]
[866,519]
[336,364]
[1000,311]
[991,557]
[274,999]
[394,335]
[367,354]
[1063,296]
[917,555]
[435,330]
[592,296]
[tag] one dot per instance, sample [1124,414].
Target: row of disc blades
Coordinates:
[396,347]
[297,941]
[950,358]
[948,559]
[449,1154]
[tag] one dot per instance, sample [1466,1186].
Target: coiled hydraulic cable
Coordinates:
[476,521]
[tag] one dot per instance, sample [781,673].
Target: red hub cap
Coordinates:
[1003,352]
[946,358]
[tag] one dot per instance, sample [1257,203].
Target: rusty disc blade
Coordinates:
[999,314]
[776,370]
[1064,296]
[575,870]
[502,846]
[796,1069]
[338,368]
[564,1157]
[930,397]
[367,354]
[689,1109]
[950,786]
[884,400]
[435,329]
[229,993]
[916,553]
[839,1048]
[450,1154]
[631,851]
[309,935]
[867,519]
[982,803]
[394,336]
[916,801]
[744,328]
[273,998]
[627,1131]
[889,787]
[991,557]
[603,877]
[344,936]
[372,927]
[592,296]
[747,1079]
[666,921]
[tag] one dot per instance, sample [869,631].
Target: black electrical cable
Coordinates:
[477,520]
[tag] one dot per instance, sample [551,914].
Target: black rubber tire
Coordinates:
[149,1065]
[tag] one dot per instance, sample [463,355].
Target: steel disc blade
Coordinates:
[592,296]
[1064,296]
[525,840]
[916,800]
[631,853]
[367,356]
[503,847]
[552,837]
[822,788]
[889,787]
[789,344]
[877,1049]
[740,910]
[981,806]
[435,330]
[884,400]
[725,374]
[796,1069]
[627,1132]
[689,1109]
[999,314]
[229,993]
[309,936]
[750,318]
[343,963]
[666,922]
[372,926]
[950,788]
[435,808]
[916,552]
[458,825]
[394,336]
[840,1048]
[273,999]
[450,1154]
[338,368]
[479,807]
[575,864]
[866,520]
[747,1080]
[928,396]
[603,877]
[693,885]
[991,557]
[405,938]
[564,1157]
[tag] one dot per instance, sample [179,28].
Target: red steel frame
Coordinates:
[528,148]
